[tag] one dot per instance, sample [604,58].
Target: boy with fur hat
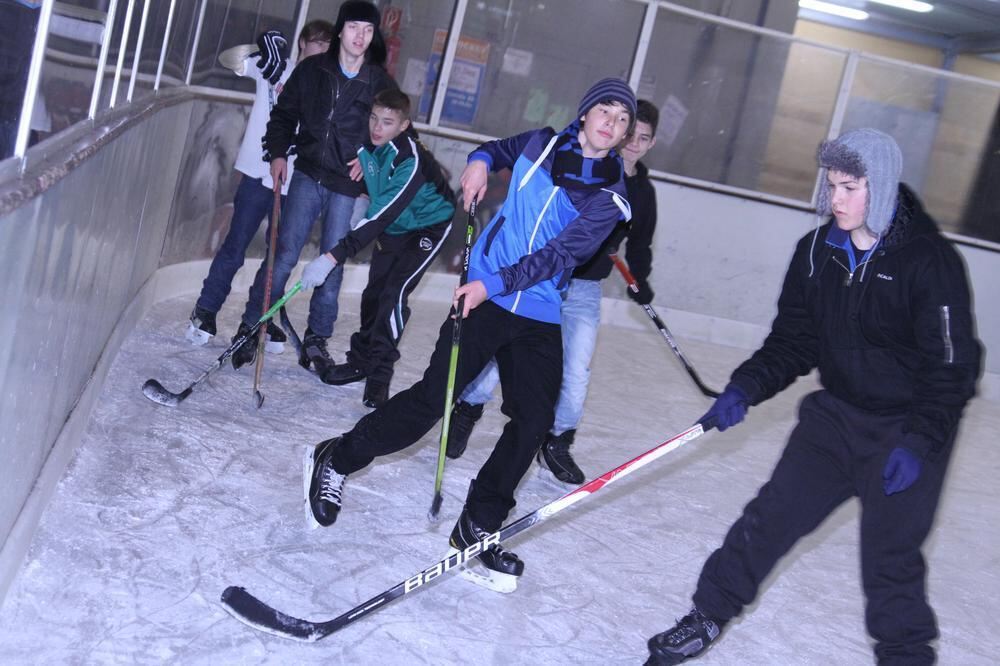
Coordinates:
[876,299]
[566,194]
[323,113]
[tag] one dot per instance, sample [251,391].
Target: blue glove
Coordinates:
[729,409]
[316,271]
[273,55]
[901,470]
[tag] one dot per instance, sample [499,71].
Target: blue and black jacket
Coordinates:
[557,214]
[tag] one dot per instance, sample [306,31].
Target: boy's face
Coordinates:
[604,126]
[637,145]
[848,198]
[356,36]
[312,47]
[384,125]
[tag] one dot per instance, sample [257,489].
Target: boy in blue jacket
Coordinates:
[409,218]
[566,194]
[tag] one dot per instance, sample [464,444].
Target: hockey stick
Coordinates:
[252,611]
[258,397]
[155,391]
[293,335]
[634,286]
[449,394]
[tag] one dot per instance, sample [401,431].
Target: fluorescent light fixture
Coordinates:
[911,5]
[836,10]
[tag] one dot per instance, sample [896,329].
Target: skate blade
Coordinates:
[546,475]
[476,572]
[272,347]
[307,469]
[196,336]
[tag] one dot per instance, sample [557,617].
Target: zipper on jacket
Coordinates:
[534,232]
[949,348]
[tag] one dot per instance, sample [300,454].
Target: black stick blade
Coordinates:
[154,390]
[258,399]
[432,515]
[252,611]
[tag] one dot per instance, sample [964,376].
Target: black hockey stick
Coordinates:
[449,394]
[155,391]
[293,335]
[634,286]
[252,611]
[258,372]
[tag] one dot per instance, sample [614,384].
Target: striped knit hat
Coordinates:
[871,154]
[609,88]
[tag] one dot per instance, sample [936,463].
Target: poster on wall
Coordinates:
[461,99]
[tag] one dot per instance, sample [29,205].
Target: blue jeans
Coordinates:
[307,200]
[251,204]
[581,315]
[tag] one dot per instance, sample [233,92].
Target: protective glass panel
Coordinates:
[182,30]
[738,108]
[523,64]
[942,125]
[19,25]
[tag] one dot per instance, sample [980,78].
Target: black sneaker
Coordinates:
[247,352]
[344,373]
[691,636]
[323,486]
[314,353]
[376,393]
[276,339]
[463,419]
[201,327]
[555,457]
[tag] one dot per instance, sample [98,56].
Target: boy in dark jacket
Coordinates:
[879,302]
[323,112]
[566,194]
[581,313]
[410,214]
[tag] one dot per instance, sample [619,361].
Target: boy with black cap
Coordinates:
[878,301]
[566,194]
[323,113]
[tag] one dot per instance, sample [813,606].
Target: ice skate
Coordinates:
[201,327]
[315,354]
[496,569]
[322,486]
[464,416]
[555,457]
[690,637]
[276,338]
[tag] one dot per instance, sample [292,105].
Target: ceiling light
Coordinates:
[911,5]
[836,10]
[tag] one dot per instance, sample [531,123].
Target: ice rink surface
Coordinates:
[162,508]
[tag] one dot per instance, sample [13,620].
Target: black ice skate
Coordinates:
[314,353]
[201,327]
[247,352]
[496,569]
[691,636]
[376,393]
[463,419]
[322,485]
[555,457]
[275,342]
[345,373]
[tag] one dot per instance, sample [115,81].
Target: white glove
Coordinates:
[316,271]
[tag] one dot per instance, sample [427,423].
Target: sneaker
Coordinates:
[692,635]
[496,569]
[275,343]
[201,327]
[344,373]
[555,457]
[314,353]
[323,486]
[463,419]
[376,393]
[247,352]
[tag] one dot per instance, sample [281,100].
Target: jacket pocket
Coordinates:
[493,234]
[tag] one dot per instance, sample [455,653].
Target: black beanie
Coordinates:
[357,10]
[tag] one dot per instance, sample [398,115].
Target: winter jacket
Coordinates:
[639,232]
[543,229]
[407,192]
[893,335]
[324,115]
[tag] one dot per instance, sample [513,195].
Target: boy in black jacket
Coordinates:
[323,112]
[581,313]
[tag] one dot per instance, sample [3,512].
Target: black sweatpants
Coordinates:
[529,358]
[397,264]
[838,451]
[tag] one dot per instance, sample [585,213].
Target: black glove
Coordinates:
[644,296]
[273,55]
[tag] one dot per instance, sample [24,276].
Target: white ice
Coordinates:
[162,508]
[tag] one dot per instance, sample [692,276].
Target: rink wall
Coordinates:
[131,211]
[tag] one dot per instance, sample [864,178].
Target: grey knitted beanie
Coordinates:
[865,153]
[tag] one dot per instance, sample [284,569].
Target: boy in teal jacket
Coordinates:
[409,219]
